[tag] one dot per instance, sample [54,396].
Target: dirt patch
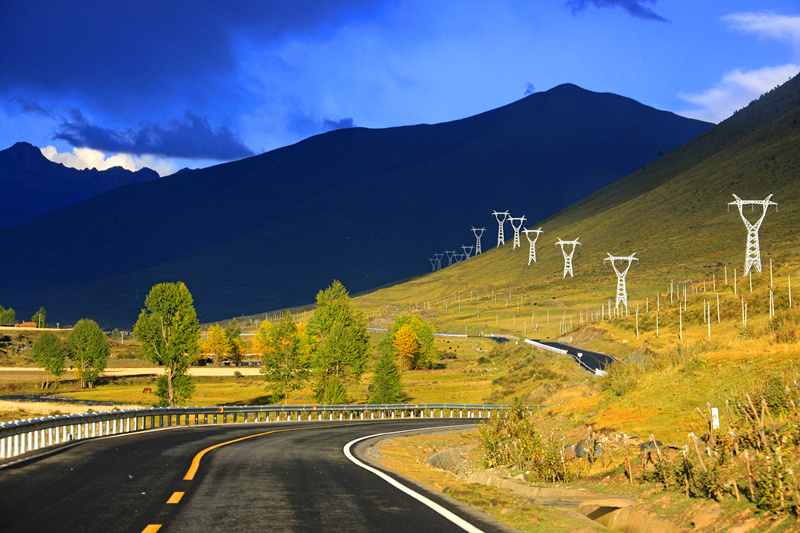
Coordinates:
[585,336]
[28,373]
[39,409]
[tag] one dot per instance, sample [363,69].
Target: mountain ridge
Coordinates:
[33,185]
[364,206]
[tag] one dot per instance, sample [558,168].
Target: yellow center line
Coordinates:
[196,461]
[176,497]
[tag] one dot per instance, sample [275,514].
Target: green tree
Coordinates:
[50,354]
[428,356]
[40,318]
[285,356]
[88,349]
[168,331]
[341,345]
[386,386]
[216,343]
[8,317]
[236,346]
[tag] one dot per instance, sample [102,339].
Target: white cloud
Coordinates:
[735,91]
[768,25]
[82,158]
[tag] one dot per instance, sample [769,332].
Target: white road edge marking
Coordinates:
[463,524]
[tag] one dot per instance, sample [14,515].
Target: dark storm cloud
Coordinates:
[330,125]
[31,107]
[635,8]
[191,137]
[138,52]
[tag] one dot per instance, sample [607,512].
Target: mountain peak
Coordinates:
[21,154]
[532,157]
[33,185]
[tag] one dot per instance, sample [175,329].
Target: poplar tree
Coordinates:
[50,354]
[88,349]
[168,331]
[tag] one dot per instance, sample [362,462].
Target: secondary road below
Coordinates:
[286,476]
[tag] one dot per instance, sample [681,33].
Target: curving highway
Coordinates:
[291,476]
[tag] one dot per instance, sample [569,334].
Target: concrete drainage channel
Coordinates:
[612,511]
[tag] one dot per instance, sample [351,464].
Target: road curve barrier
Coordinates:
[22,436]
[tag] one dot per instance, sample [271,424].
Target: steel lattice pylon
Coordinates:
[438,261]
[501,239]
[532,252]
[434,262]
[622,291]
[450,255]
[478,232]
[516,223]
[568,255]
[467,251]
[753,253]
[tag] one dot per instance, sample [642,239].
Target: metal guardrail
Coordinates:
[546,347]
[21,436]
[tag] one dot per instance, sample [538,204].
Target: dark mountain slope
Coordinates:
[365,206]
[673,214]
[33,185]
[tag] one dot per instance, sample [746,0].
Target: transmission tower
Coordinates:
[622,292]
[478,232]
[753,254]
[532,253]
[438,261]
[500,221]
[568,255]
[467,251]
[434,262]
[450,255]
[516,223]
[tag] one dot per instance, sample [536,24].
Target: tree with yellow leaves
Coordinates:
[261,336]
[407,345]
[216,343]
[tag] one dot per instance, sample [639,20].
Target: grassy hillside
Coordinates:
[673,214]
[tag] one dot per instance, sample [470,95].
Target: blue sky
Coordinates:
[170,84]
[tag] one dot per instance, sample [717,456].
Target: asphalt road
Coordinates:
[279,477]
[589,360]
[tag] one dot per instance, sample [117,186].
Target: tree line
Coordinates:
[8,317]
[329,352]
